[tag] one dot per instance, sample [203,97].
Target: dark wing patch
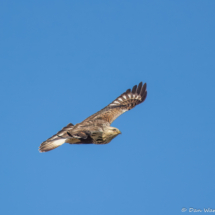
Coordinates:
[123,103]
[79,135]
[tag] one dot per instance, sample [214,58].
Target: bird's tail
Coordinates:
[56,140]
[51,144]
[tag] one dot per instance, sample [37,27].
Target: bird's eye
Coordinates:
[114,129]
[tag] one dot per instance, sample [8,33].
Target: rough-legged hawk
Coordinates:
[96,128]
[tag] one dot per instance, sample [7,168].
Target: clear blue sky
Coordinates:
[62,61]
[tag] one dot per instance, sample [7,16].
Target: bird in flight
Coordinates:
[96,128]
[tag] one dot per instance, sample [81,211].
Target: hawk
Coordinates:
[96,128]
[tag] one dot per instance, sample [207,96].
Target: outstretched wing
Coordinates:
[123,103]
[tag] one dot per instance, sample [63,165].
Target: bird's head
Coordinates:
[110,132]
[113,131]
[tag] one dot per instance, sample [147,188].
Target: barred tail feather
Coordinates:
[51,144]
[56,140]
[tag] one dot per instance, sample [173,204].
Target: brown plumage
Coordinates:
[96,128]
